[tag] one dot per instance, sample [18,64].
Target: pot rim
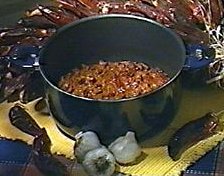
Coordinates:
[86,19]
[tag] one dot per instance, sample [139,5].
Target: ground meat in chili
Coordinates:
[113,80]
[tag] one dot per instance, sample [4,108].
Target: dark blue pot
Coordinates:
[113,38]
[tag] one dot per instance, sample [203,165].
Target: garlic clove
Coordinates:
[99,162]
[85,141]
[125,148]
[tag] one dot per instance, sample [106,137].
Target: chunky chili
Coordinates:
[113,80]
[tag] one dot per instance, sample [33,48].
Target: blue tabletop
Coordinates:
[15,159]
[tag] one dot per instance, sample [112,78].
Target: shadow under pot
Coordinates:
[113,38]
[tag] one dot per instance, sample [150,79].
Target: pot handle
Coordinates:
[26,57]
[198,57]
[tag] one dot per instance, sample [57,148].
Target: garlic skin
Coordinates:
[125,148]
[85,141]
[99,162]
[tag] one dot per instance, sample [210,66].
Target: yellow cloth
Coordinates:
[156,161]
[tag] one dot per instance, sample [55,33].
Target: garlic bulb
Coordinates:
[99,162]
[84,143]
[125,149]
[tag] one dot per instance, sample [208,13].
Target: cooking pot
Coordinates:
[113,38]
